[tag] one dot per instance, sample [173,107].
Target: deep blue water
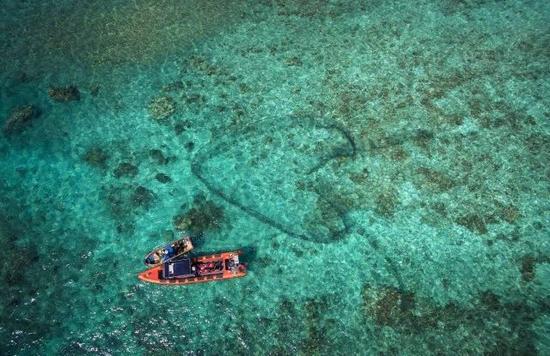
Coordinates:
[382,164]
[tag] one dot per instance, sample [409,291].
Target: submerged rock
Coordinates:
[174,86]
[182,222]
[162,107]
[142,197]
[189,146]
[204,215]
[163,178]
[19,118]
[96,157]
[180,127]
[126,169]
[528,268]
[64,94]
[158,156]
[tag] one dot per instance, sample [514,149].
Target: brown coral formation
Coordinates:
[19,118]
[64,94]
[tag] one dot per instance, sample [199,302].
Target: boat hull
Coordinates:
[155,274]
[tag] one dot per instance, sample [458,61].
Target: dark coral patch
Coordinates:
[528,268]
[473,222]
[19,118]
[509,214]
[435,179]
[423,137]
[203,216]
[142,197]
[163,178]
[161,108]
[96,157]
[158,156]
[189,146]
[64,94]
[387,305]
[386,203]
[180,127]
[125,169]
[504,328]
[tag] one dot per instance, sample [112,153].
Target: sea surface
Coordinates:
[383,165]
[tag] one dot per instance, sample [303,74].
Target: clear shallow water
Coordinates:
[383,165]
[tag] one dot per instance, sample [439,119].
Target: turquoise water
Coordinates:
[383,164]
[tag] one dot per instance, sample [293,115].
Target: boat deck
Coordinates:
[230,268]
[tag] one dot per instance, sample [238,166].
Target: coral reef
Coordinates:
[203,216]
[162,107]
[317,325]
[158,156]
[415,144]
[386,203]
[19,118]
[189,146]
[180,127]
[125,169]
[125,202]
[64,94]
[388,305]
[473,222]
[435,180]
[163,178]
[142,197]
[406,314]
[96,157]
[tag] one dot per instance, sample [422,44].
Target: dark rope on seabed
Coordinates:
[342,212]
[338,154]
[196,170]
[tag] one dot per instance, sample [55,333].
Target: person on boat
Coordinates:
[168,253]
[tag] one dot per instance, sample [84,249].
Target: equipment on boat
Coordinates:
[217,267]
[168,252]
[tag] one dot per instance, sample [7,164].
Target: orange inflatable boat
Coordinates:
[218,267]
